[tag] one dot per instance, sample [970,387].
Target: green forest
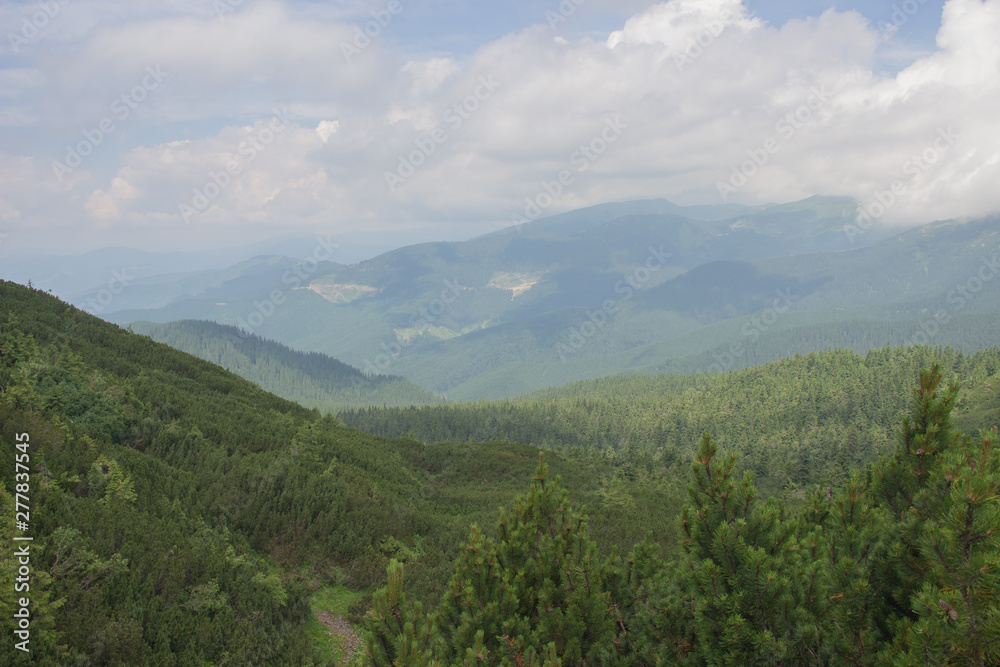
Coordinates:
[312,379]
[802,421]
[826,509]
[898,566]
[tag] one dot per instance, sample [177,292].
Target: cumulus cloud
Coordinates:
[715,104]
[678,25]
[326,129]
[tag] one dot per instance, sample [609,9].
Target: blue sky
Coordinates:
[460,27]
[451,119]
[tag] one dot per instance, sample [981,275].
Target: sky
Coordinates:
[188,124]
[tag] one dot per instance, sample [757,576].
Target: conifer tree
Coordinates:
[637,588]
[397,633]
[535,596]
[957,607]
[849,537]
[745,576]
[904,485]
[940,572]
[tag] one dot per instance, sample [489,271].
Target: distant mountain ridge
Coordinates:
[630,287]
[79,278]
[309,378]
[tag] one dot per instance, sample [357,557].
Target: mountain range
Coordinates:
[634,287]
[181,515]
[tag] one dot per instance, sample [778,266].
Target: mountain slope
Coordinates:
[181,515]
[309,378]
[898,291]
[632,287]
[242,282]
[802,420]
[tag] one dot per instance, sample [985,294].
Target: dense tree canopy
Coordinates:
[181,515]
[900,566]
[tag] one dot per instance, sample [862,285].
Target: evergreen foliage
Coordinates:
[802,421]
[900,567]
[182,516]
[312,379]
[535,592]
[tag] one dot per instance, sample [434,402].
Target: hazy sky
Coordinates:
[193,123]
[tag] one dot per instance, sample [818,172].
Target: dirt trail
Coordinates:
[349,640]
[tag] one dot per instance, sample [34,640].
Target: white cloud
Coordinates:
[693,113]
[429,74]
[327,128]
[675,25]
[106,206]
[8,213]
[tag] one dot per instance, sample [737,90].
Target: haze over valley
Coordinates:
[590,332]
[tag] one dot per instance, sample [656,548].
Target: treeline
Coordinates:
[181,515]
[312,379]
[826,329]
[800,421]
[898,566]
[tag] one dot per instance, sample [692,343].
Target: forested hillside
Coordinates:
[632,287]
[312,379]
[898,566]
[181,515]
[803,420]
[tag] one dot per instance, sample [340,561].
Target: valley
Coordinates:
[425,388]
[468,334]
[281,501]
[619,288]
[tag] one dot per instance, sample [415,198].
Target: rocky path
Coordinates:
[349,640]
